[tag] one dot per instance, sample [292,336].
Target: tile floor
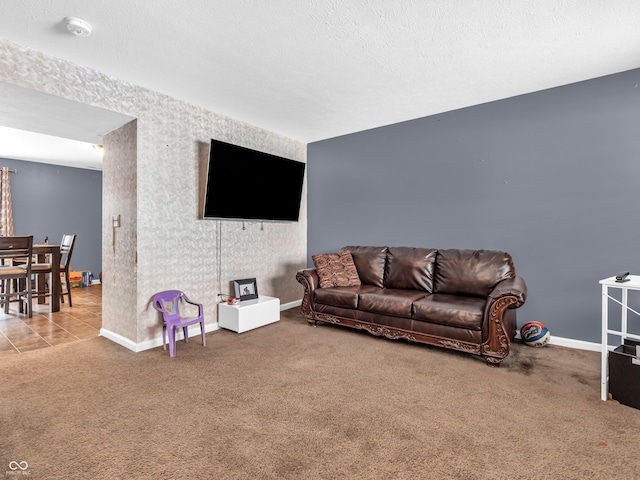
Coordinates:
[19,334]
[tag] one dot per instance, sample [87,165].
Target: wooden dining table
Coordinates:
[42,251]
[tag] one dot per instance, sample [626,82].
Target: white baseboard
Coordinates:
[294,304]
[579,344]
[571,343]
[119,339]
[194,331]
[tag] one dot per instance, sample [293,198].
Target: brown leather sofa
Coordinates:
[458,299]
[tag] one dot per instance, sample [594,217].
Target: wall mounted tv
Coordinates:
[245,184]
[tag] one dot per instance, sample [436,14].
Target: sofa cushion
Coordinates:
[370,262]
[346,297]
[336,270]
[471,272]
[389,301]
[453,310]
[410,268]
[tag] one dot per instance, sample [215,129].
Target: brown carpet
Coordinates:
[291,401]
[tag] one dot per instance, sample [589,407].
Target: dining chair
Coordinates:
[167,303]
[15,272]
[66,250]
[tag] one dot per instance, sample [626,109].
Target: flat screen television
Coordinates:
[246,184]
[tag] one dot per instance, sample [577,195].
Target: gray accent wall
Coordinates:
[550,177]
[51,200]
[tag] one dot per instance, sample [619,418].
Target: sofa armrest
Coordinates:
[511,287]
[509,293]
[308,278]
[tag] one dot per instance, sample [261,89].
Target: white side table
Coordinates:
[249,314]
[607,283]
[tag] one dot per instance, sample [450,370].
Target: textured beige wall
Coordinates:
[119,267]
[174,247]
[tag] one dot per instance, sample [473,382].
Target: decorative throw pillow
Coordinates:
[336,270]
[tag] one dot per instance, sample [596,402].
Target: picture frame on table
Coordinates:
[246,288]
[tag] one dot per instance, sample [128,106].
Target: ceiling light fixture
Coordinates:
[78,27]
[99,149]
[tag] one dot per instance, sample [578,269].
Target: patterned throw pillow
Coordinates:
[336,270]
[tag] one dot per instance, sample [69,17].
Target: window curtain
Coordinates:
[6,209]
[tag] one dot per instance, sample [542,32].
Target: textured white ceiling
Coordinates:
[20,144]
[315,69]
[39,127]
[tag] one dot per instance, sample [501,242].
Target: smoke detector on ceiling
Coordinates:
[78,27]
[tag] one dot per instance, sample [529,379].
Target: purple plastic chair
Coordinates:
[167,303]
